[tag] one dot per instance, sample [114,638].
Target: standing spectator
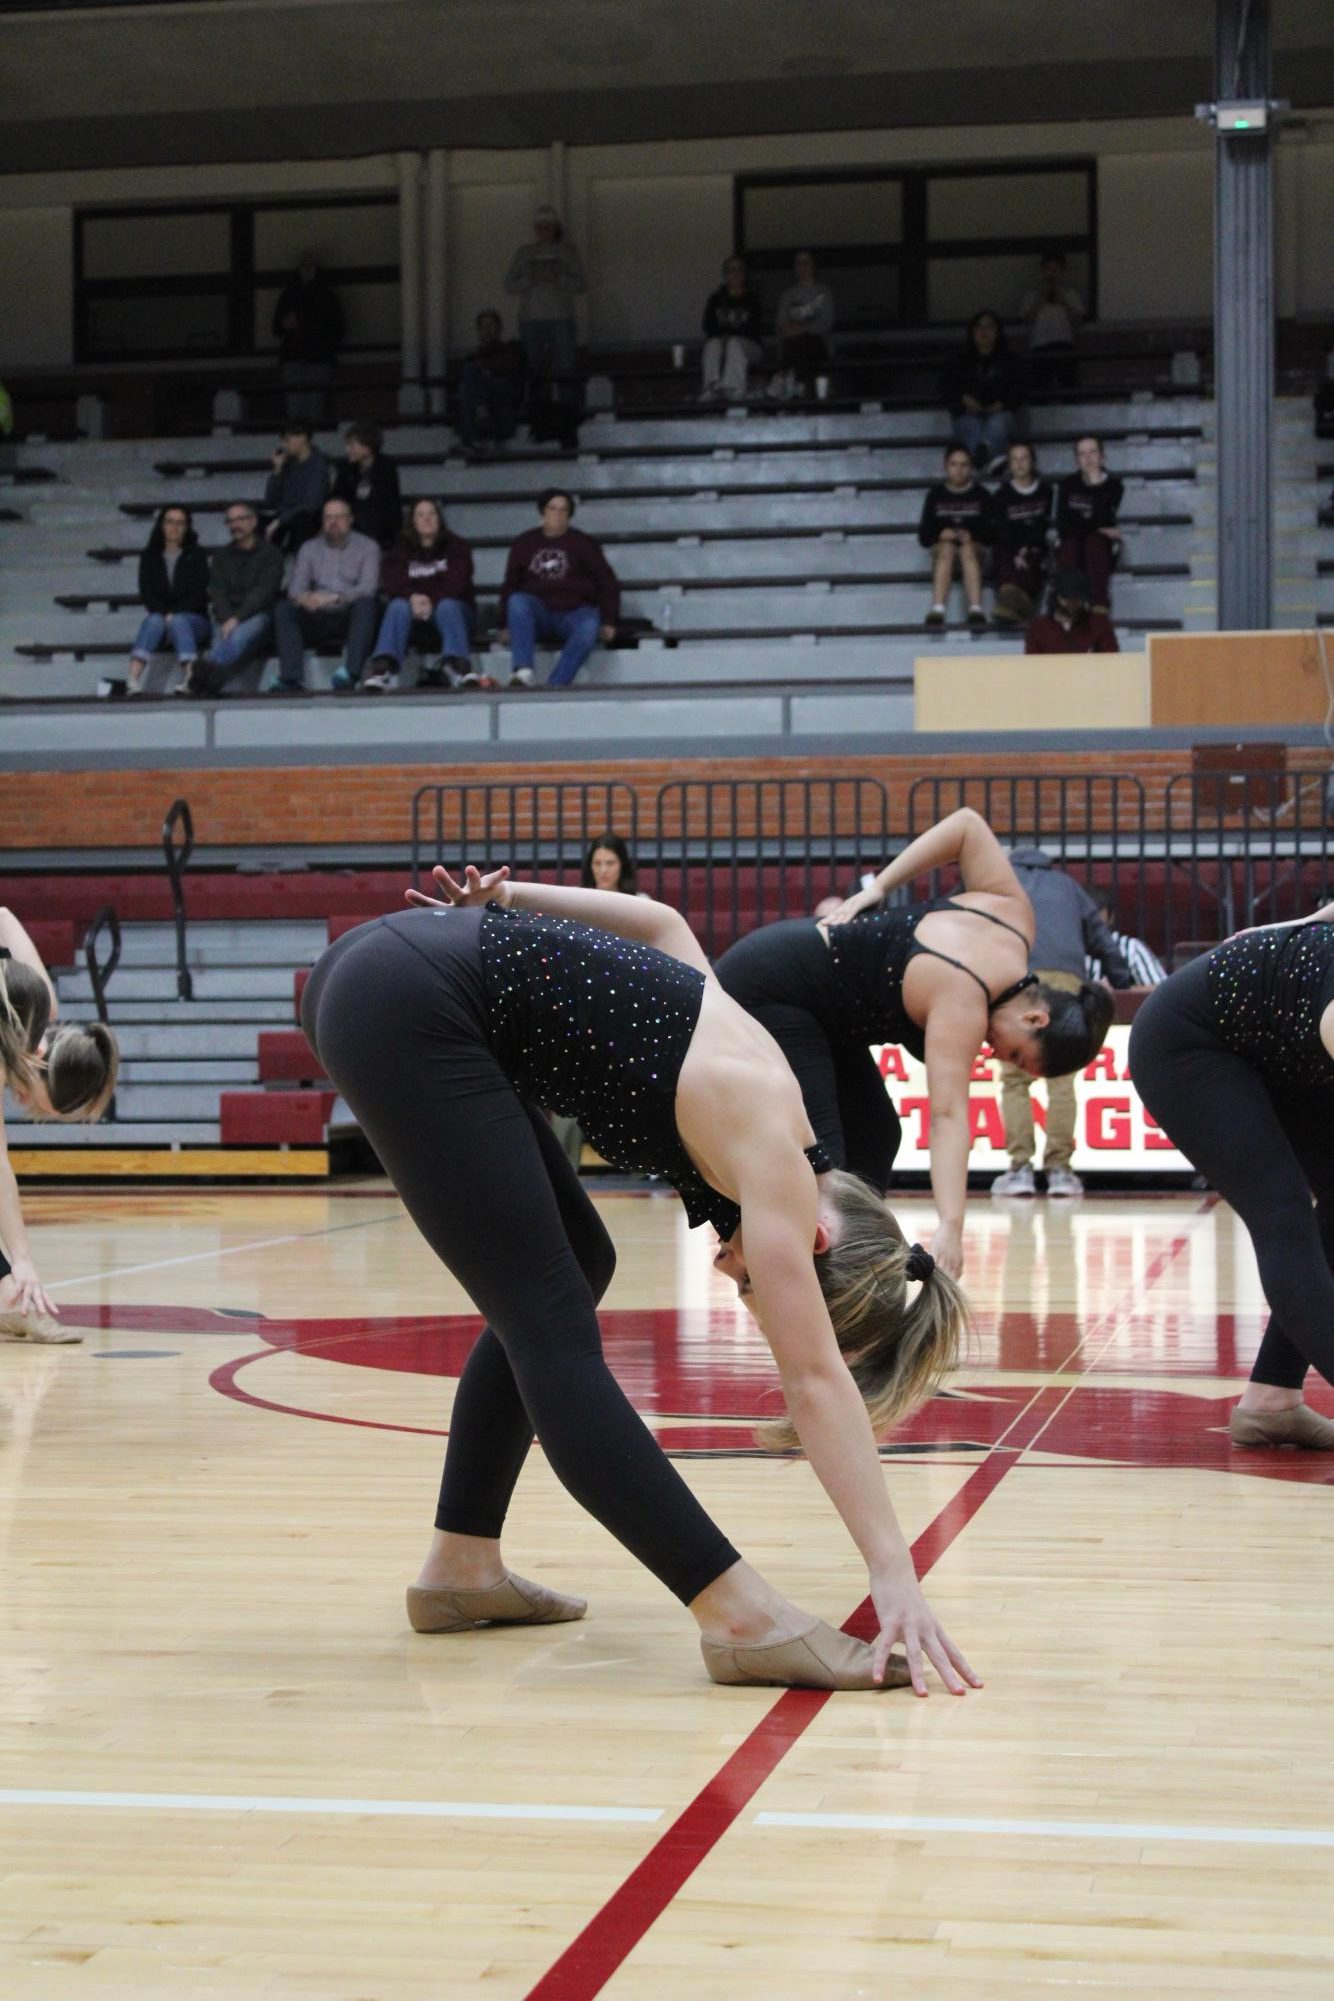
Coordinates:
[6,423]
[733,334]
[956,526]
[1069,626]
[308,326]
[1069,929]
[984,388]
[331,601]
[1020,520]
[804,319]
[1052,312]
[426,579]
[297,487]
[1087,504]
[490,386]
[367,479]
[547,277]
[1146,968]
[245,581]
[558,585]
[173,589]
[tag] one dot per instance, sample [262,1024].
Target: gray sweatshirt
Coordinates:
[811,306]
[1069,927]
[352,571]
[547,278]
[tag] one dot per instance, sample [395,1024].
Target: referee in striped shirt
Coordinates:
[1148,970]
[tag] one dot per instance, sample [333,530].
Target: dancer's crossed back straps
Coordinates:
[970,910]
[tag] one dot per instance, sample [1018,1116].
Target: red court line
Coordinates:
[586,1965]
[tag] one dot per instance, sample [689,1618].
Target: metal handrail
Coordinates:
[178,860]
[539,826]
[101,970]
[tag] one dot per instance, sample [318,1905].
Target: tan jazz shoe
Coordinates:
[821,1657]
[513,1602]
[37,1328]
[1299,1426]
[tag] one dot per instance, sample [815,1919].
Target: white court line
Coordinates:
[384,1809]
[232,1250]
[1068,1830]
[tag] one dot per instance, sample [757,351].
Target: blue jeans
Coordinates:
[529,620]
[251,638]
[549,345]
[496,398]
[452,619]
[186,632]
[991,434]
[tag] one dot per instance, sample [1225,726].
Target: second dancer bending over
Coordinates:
[939,978]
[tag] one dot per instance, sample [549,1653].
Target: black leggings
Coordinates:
[1267,1150]
[784,976]
[396,1012]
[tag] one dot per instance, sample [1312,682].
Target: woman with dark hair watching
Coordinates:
[1088,501]
[558,586]
[173,588]
[939,978]
[1234,1057]
[1020,519]
[609,864]
[64,1073]
[984,388]
[427,582]
[955,528]
[603,1006]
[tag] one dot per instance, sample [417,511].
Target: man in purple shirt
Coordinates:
[331,600]
[558,585]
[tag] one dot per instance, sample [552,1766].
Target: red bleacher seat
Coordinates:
[298,988]
[56,940]
[285,1057]
[275,1118]
[339,925]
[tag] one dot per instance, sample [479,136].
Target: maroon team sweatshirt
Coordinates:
[565,571]
[1090,634]
[442,571]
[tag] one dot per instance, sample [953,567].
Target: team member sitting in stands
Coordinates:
[1020,518]
[558,585]
[733,334]
[426,579]
[245,581]
[956,526]
[983,390]
[1069,626]
[331,601]
[173,589]
[1052,313]
[490,386]
[1087,504]
[368,481]
[297,488]
[805,320]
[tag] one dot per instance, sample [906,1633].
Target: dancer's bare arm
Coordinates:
[963,838]
[14,1236]
[16,940]
[954,1032]
[638,917]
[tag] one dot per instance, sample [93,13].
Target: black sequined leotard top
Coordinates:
[871,957]
[1268,990]
[597,1027]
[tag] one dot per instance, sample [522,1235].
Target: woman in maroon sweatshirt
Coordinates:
[955,527]
[558,585]
[426,579]
[1087,504]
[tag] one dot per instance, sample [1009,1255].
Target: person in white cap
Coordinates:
[546,276]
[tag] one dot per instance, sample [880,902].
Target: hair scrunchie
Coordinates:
[919,1264]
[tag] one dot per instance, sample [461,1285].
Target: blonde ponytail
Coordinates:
[898,1351]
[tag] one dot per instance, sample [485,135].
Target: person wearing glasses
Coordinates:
[245,579]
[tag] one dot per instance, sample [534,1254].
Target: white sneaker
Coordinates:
[379,684]
[523,677]
[1061,1181]
[1018,1181]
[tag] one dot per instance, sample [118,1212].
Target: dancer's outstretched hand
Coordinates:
[475,890]
[29,1294]
[905,1615]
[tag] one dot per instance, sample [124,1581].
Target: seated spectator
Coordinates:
[1069,626]
[1052,312]
[1020,519]
[1087,504]
[804,320]
[733,334]
[956,526]
[331,601]
[245,581]
[426,579]
[367,479]
[491,385]
[1325,517]
[308,326]
[984,388]
[546,277]
[1146,968]
[173,589]
[297,488]
[608,864]
[558,585]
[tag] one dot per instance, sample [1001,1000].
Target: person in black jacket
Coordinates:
[368,481]
[1087,504]
[733,334]
[984,388]
[308,327]
[173,587]
[1020,519]
[956,527]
